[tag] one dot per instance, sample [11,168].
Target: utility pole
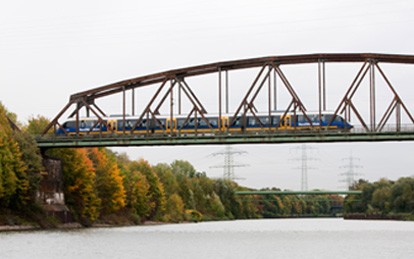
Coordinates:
[304,158]
[229,162]
[350,173]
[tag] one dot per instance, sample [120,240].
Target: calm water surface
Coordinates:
[278,238]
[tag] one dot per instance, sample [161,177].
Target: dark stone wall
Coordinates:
[51,190]
[51,185]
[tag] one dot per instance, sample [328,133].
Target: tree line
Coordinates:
[383,199]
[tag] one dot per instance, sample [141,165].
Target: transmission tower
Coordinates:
[350,173]
[304,158]
[229,162]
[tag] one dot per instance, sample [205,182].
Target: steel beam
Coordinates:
[264,138]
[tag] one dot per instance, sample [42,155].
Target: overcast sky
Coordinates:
[52,49]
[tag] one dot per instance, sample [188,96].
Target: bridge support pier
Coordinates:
[50,194]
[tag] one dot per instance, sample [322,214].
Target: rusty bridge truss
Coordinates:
[257,94]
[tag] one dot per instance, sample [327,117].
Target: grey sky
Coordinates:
[52,49]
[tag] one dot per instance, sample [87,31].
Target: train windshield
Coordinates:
[328,118]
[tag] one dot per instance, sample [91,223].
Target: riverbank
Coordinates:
[6,228]
[363,216]
[74,225]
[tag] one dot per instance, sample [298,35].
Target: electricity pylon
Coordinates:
[304,158]
[229,162]
[350,173]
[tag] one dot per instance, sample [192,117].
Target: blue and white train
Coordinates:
[208,124]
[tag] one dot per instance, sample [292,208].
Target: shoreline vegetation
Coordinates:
[90,187]
[73,225]
[76,225]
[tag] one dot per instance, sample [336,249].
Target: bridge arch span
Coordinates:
[171,82]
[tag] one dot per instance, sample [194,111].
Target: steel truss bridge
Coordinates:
[173,94]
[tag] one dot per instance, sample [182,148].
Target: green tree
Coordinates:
[174,211]
[137,193]
[168,179]
[225,189]
[359,204]
[402,195]
[156,190]
[381,197]
[184,168]
[37,125]
[30,179]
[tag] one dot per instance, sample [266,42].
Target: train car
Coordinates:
[289,121]
[111,125]
[152,126]
[208,124]
[86,126]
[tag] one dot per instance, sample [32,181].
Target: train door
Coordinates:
[171,124]
[286,122]
[112,125]
[224,123]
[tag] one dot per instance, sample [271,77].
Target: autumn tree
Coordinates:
[109,183]
[79,184]
[14,184]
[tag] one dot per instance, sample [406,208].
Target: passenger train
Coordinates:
[208,124]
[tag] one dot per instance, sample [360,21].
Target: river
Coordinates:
[267,238]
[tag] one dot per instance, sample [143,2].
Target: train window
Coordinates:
[338,119]
[70,124]
[327,118]
[236,122]
[213,122]
[264,120]
[276,120]
[202,123]
[133,123]
[180,123]
[253,122]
